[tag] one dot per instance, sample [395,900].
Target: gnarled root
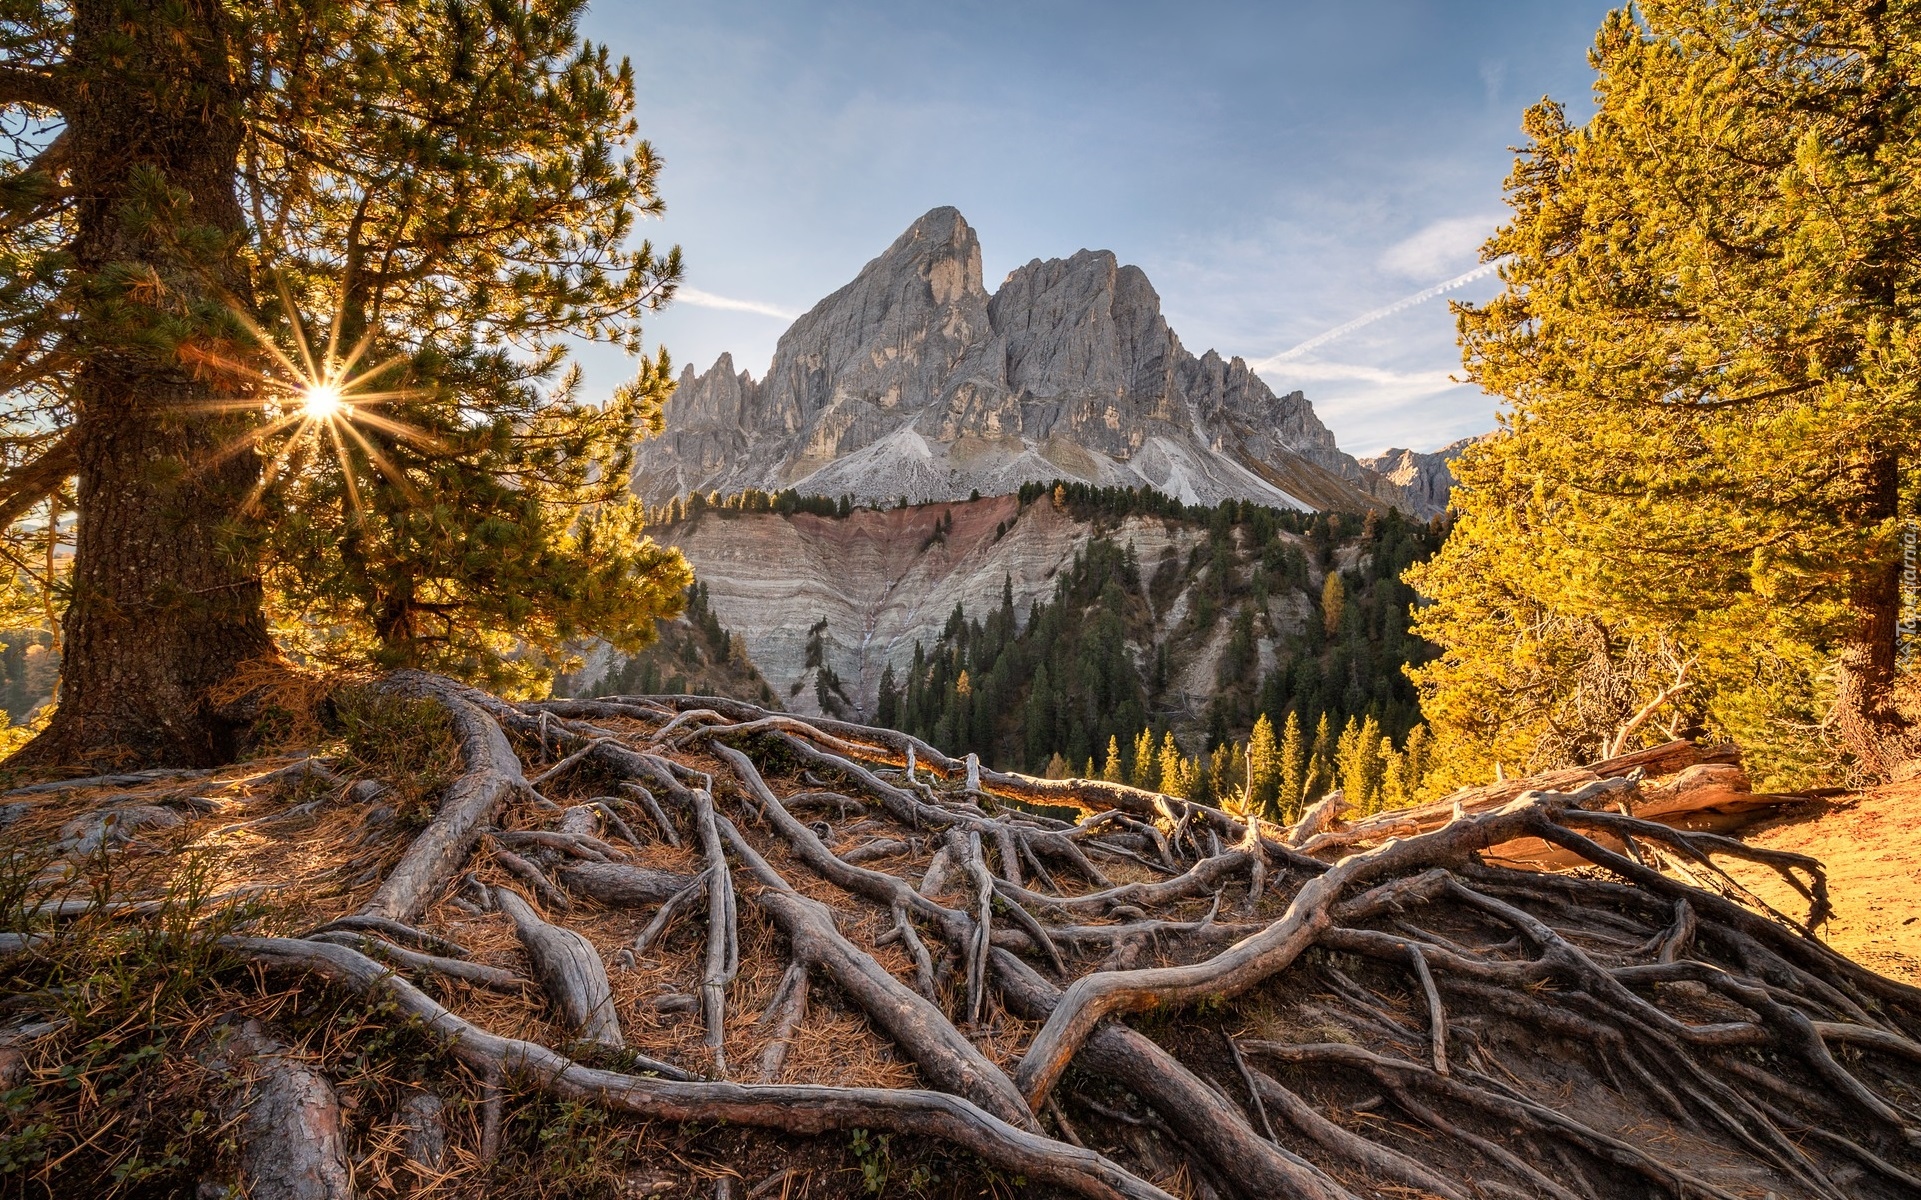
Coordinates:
[569,970]
[490,774]
[291,1146]
[1409,1017]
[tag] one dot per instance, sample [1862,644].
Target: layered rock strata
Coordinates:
[883,580]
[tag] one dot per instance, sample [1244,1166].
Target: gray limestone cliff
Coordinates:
[1413,481]
[914,381]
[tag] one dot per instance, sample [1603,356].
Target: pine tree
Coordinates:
[1333,603]
[1346,755]
[1710,358]
[1414,765]
[1264,774]
[430,184]
[1111,769]
[1357,763]
[1292,785]
[1394,788]
[1147,773]
[1226,782]
[1320,762]
[887,703]
[1170,768]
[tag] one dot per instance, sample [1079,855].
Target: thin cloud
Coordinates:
[700,299]
[1377,407]
[1440,246]
[1368,318]
[1321,372]
[1348,390]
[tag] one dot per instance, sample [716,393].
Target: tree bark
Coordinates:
[1866,664]
[166,599]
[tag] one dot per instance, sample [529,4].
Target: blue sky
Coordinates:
[1277,169]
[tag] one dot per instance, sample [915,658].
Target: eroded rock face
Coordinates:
[1415,482]
[913,381]
[882,582]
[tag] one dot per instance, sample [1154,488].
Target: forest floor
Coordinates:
[1872,851]
[198,993]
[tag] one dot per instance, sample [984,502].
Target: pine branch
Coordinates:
[41,88]
[35,481]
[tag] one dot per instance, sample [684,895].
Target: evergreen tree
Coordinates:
[1170,768]
[1320,763]
[1226,782]
[1292,784]
[1111,769]
[1147,773]
[887,703]
[1414,765]
[442,192]
[1710,357]
[1357,763]
[1264,774]
[1333,603]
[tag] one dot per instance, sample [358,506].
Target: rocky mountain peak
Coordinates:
[1415,481]
[913,381]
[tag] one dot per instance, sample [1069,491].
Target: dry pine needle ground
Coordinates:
[1153,1000]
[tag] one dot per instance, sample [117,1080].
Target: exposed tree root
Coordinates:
[570,971]
[1413,1017]
[492,775]
[793,1108]
[290,1140]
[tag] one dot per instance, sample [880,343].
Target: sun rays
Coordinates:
[321,402]
[315,400]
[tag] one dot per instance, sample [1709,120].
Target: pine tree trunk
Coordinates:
[166,599]
[1865,669]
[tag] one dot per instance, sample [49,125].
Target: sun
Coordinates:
[321,398]
[321,402]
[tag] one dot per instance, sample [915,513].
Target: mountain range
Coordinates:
[914,381]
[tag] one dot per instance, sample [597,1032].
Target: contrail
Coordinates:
[700,299]
[1368,318]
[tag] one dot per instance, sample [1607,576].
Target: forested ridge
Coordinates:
[1089,681]
[1298,617]
[690,654]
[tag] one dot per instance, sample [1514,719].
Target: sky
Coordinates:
[1282,171]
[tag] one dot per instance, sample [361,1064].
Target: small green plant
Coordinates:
[102,1105]
[562,1149]
[875,1159]
[408,744]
